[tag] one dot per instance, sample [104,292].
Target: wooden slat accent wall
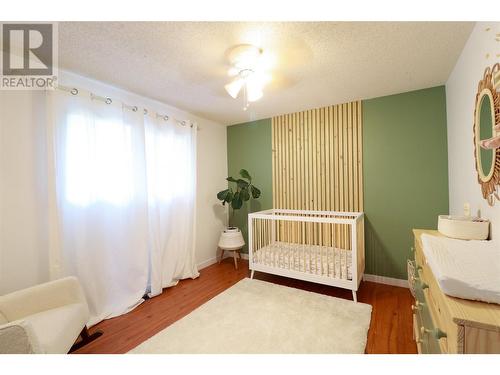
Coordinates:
[317,159]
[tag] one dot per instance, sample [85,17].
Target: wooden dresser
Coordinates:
[444,324]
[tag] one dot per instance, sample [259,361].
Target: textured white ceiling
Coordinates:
[184,64]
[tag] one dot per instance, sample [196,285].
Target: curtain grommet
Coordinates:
[108,101]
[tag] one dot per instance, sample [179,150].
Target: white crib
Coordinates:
[324,247]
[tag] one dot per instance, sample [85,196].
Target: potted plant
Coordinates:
[231,238]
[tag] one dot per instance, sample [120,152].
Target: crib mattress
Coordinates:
[318,260]
[464,269]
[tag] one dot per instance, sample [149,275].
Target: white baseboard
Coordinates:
[215,259]
[207,263]
[386,280]
[366,277]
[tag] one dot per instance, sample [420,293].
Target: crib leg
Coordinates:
[251,274]
[354,296]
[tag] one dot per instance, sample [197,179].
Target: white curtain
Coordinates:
[171,177]
[122,193]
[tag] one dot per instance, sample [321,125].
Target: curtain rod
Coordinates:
[133,108]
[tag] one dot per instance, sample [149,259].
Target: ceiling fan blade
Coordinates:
[233,88]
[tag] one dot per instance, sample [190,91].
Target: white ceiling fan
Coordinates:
[250,68]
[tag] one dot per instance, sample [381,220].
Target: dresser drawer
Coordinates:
[427,332]
[422,329]
[417,324]
[426,329]
[441,316]
[435,297]
[432,331]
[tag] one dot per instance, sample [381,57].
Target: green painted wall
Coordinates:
[249,147]
[405,171]
[405,163]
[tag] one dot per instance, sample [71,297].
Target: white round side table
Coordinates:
[231,239]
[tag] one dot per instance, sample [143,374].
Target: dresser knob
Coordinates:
[436,333]
[420,285]
[417,306]
[412,249]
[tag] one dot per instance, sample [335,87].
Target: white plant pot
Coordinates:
[231,239]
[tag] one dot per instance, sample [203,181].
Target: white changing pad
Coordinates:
[464,269]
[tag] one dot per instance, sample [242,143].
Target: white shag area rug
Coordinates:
[255,316]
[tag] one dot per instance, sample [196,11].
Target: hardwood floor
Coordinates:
[390,329]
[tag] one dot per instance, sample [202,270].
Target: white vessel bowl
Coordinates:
[463,227]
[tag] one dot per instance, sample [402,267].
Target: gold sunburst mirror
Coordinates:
[486,117]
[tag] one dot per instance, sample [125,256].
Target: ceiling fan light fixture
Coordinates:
[259,79]
[245,56]
[254,91]
[247,64]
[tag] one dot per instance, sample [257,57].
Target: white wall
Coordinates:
[212,173]
[23,180]
[23,194]
[480,51]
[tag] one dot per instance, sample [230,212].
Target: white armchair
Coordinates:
[46,318]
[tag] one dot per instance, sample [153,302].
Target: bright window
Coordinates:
[99,161]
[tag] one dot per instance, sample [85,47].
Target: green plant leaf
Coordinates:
[221,195]
[236,203]
[236,195]
[244,194]
[255,192]
[244,173]
[229,197]
[242,184]
[244,191]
